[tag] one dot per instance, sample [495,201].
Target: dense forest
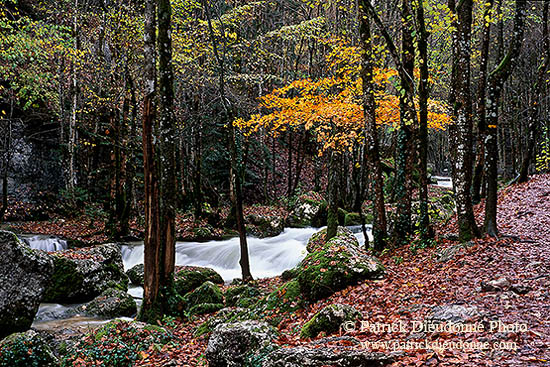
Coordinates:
[274,182]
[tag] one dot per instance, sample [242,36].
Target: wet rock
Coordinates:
[236,344]
[242,296]
[332,266]
[25,350]
[497,285]
[188,278]
[329,320]
[24,276]
[450,253]
[309,210]
[264,226]
[205,299]
[110,304]
[135,274]
[319,357]
[81,275]
[454,313]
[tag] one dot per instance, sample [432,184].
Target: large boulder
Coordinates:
[329,320]
[25,350]
[333,265]
[188,278]
[319,357]
[135,275]
[238,344]
[24,276]
[310,210]
[81,275]
[264,226]
[110,304]
[207,298]
[242,296]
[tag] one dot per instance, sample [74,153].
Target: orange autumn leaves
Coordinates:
[331,107]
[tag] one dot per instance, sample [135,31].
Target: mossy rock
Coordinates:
[290,274]
[188,278]
[111,303]
[332,266]
[208,292]
[135,274]
[329,320]
[205,308]
[26,349]
[223,316]
[342,216]
[203,233]
[286,298]
[352,219]
[242,296]
[66,280]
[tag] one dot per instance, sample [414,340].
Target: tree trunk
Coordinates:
[159,164]
[461,134]
[497,78]
[405,139]
[481,89]
[235,167]
[426,231]
[371,149]
[333,179]
[534,110]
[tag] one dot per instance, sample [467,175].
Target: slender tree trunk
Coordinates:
[333,179]
[480,113]
[235,166]
[497,78]
[462,131]
[534,109]
[405,139]
[426,231]
[371,149]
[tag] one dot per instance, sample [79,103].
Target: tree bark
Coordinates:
[426,231]
[461,134]
[481,90]
[159,141]
[371,150]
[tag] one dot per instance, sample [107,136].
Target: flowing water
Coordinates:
[268,257]
[443,181]
[44,242]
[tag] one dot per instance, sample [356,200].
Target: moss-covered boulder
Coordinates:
[225,315]
[290,274]
[203,233]
[307,210]
[81,275]
[110,304]
[329,320]
[26,349]
[207,293]
[135,275]
[286,298]
[333,265]
[24,276]
[188,278]
[264,226]
[242,296]
[239,344]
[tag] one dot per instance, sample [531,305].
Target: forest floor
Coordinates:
[416,282]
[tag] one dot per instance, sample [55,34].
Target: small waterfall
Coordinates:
[45,243]
[268,256]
